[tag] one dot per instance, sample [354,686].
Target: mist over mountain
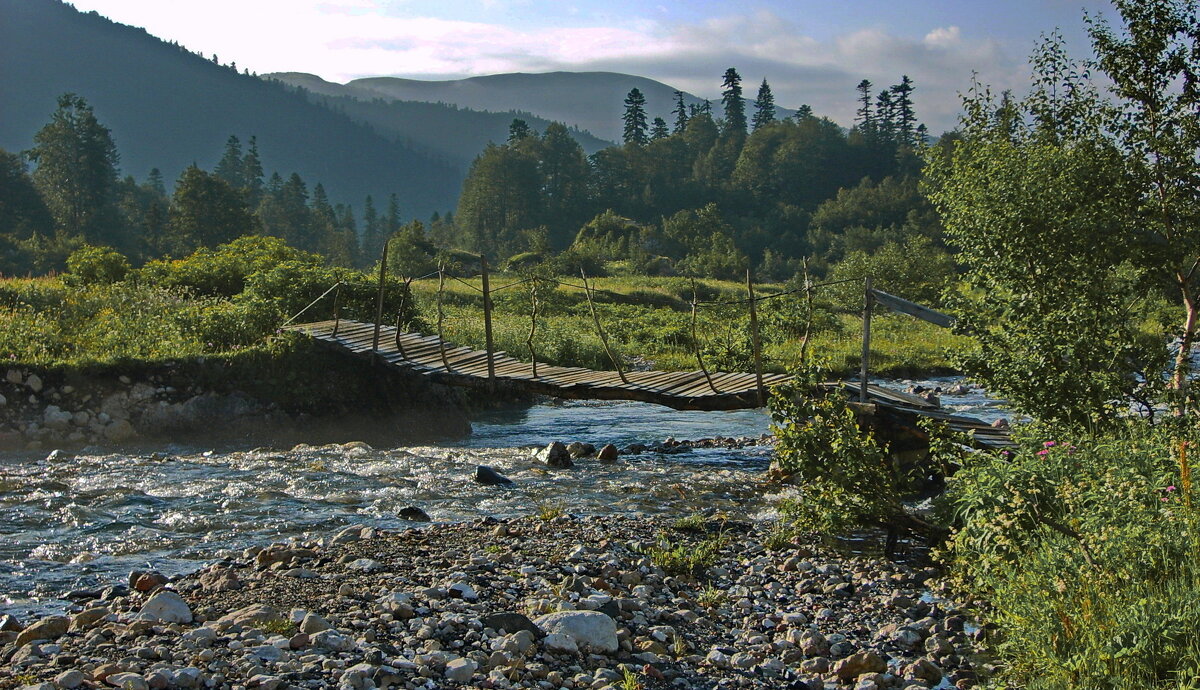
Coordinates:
[455,132]
[591,101]
[168,108]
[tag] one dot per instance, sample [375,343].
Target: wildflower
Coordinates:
[1049,444]
[1043,452]
[1171,488]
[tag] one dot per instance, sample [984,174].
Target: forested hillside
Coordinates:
[168,108]
[588,100]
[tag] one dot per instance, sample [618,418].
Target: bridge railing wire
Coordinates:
[313,303]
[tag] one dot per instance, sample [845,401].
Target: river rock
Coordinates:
[313,624]
[490,477]
[54,417]
[127,681]
[9,623]
[69,680]
[579,449]
[556,455]
[34,383]
[511,623]
[590,630]
[88,617]
[252,615]
[414,513]
[148,582]
[608,453]
[13,376]
[859,663]
[119,430]
[167,607]
[48,628]
[333,641]
[924,669]
[460,670]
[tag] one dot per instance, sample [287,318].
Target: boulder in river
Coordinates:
[413,513]
[490,477]
[579,449]
[556,455]
[167,607]
[608,453]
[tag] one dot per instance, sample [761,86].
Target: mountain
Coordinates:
[168,107]
[453,132]
[591,101]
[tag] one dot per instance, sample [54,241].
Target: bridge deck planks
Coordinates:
[684,390]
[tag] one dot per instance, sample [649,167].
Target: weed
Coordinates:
[685,560]
[494,549]
[679,646]
[277,626]
[629,680]
[548,510]
[782,536]
[711,597]
[692,523]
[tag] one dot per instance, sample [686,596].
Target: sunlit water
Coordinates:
[84,522]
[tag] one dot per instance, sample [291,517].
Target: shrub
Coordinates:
[1088,553]
[294,285]
[223,271]
[90,265]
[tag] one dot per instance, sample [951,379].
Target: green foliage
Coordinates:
[844,475]
[1087,550]
[222,271]
[683,559]
[912,268]
[1051,296]
[96,265]
[691,523]
[206,211]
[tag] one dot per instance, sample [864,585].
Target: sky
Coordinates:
[810,52]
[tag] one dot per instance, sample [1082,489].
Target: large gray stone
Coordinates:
[167,607]
[590,630]
[48,628]
[490,477]
[556,455]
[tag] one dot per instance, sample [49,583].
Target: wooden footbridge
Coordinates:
[454,365]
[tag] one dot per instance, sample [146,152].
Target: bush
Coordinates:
[1088,552]
[293,285]
[90,265]
[223,271]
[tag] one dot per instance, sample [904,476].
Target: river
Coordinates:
[85,520]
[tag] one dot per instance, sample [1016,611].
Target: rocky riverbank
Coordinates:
[565,602]
[51,409]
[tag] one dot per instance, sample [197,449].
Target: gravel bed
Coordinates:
[567,602]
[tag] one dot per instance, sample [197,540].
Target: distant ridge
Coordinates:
[168,107]
[591,101]
[448,130]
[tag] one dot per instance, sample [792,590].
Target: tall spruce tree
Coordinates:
[731,101]
[518,129]
[635,118]
[370,235]
[252,173]
[231,167]
[864,118]
[905,119]
[764,106]
[680,112]
[658,129]
[76,171]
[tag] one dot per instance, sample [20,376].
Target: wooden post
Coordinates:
[696,339]
[762,395]
[337,308]
[600,331]
[487,324]
[379,301]
[868,303]
[441,316]
[400,315]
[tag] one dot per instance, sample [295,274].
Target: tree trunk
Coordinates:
[1183,360]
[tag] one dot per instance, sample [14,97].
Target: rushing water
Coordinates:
[85,521]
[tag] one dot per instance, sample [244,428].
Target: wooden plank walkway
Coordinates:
[681,390]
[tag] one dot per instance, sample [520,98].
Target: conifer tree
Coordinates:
[252,173]
[905,119]
[518,130]
[658,129]
[863,117]
[231,167]
[635,118]
[680,112]
[370,236]
[764,106]
[733,105]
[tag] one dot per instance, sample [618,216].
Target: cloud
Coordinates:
[346,39]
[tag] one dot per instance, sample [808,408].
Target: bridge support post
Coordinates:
[868,307]
[754,339]
[487,324]
[379,299]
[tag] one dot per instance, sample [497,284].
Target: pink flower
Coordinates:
[1043,452]
[1163,499]
[1171,488]
[1050,444]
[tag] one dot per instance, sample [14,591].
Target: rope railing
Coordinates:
[312,303]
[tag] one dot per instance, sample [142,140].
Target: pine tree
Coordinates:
[518,130]
[905,119]
[863,117]
[803,113]
[370,236]
[658,129]
[635,118]
[252,173]
[885,117]
[680,112]
[154,181]
[231,167]
[76,171]
[733,105]
[764,106]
